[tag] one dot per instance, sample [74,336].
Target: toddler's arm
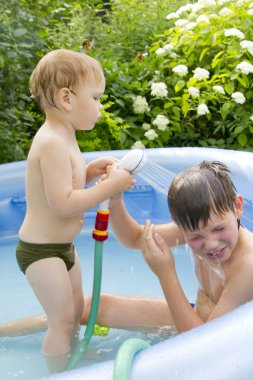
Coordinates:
[63,198]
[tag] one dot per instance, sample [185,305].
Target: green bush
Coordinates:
[116,30]
[118,40]
[206,44]
[24,38]
[140,50]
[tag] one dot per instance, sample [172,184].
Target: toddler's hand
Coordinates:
[121,179]
[99,166]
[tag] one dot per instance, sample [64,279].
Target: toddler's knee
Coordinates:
[67,323]
[80,308]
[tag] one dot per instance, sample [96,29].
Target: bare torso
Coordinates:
[41,224]
[213,277]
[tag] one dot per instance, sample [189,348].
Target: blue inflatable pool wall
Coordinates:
[220,349]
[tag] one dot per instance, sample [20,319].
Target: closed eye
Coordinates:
[219,229]
[194,238]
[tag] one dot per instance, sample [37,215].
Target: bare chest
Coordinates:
[212,279]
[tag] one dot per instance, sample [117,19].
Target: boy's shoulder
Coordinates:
[48,138]
[47,143]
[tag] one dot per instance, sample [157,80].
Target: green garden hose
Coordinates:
[82,347]
[124,357]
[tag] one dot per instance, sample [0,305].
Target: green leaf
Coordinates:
[243,81]
[177,112]
[215,63]
[168,105]
[1,62]
[226,106]
[238,130]
[242,139]
[203,53]
[179,85]
[224,110]
[19,32]
[185,107]
[229,87]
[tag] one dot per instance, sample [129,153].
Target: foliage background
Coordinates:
[124,36]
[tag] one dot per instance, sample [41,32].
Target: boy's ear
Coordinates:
[238,206]
[64,98]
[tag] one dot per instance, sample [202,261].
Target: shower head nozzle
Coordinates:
[133,161]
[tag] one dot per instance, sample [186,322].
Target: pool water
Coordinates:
[21,356]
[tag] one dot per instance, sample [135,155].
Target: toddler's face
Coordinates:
[86,104]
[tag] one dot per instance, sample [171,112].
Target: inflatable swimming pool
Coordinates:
[220,349]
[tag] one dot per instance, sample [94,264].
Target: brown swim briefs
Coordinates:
[28,253]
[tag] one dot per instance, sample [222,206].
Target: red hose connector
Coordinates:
[102,219]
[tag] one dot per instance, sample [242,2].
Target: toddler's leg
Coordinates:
[50,282]
[78,298]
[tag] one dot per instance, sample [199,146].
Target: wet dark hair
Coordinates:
[199,190]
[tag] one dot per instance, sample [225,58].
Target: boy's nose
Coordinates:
[211,245]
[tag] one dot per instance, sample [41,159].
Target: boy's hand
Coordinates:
[156,252]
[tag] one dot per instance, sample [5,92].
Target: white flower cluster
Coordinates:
[239,3]
[172,15]
[168,47]
[160,51]
[184,8]
[245,67]
[140,105]
[225,12]
[203,19]
[159,89]
[234,32]
[191,25]
[151,134]
[181,22]
[202,109]
[161,122]
[165,49]
[146,126]
[247,45]
[207,3]
[201,74]
[193,91]
[219,89]
[180,70]
[238,97]
[138,145]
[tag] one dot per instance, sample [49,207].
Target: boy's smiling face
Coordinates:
[218,238]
